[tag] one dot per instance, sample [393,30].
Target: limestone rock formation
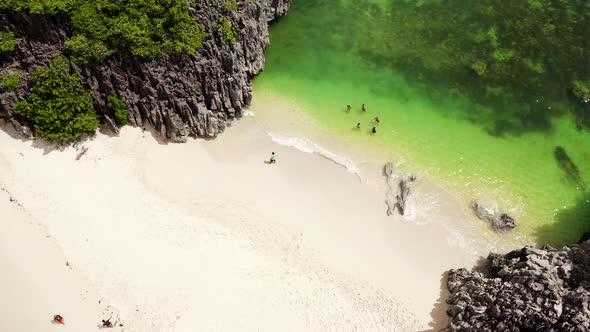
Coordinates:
[179,95]
[501,222]
[399,190]
[532,289]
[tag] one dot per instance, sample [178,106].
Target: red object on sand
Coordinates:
[58,319]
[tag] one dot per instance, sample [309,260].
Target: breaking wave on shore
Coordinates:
[307,146]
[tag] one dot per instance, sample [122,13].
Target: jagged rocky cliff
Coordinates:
[532,289]
[179,95]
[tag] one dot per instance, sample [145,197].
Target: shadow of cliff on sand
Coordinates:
[576,220]
[48,146]
[438,314]
[35,142]
[147,128]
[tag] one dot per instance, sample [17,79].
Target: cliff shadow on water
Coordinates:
[479,93]
[576,217]
[569,168]
[509,59]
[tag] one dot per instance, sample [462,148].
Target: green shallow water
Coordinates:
[315,59]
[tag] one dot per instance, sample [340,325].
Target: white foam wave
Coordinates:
[420,208]
[308,146]
[248,113]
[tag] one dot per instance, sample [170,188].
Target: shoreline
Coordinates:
[307,229]
[431,143]
[280,114]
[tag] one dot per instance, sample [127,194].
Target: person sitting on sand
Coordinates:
[348,108]
[273,159]
[377,119]
[364,108]
[358,125]
[58,319]
[107,323]
[374,130]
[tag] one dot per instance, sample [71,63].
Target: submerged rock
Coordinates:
[532,289]
[501,222]
[399,190]
[568,167]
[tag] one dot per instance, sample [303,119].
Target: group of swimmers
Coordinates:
[273,159]
[358,125]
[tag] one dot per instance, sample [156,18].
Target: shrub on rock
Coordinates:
[58,106]
[117,106]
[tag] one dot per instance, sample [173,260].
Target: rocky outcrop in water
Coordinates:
[532,289]
[504,223]
[180,95]
[501,222]
[398,190]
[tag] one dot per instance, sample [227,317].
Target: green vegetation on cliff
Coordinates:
[117,106]
[57,105]
[227,30]
[10,81]
[230,5]
[147,28]
[7,41]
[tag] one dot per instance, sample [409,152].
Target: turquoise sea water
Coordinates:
[317,57]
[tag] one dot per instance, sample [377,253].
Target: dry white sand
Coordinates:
[35,282]
[205,236]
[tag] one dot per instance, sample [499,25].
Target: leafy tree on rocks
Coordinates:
[7,41]
[10,81]
[147,28]
[58,106]
[118,107]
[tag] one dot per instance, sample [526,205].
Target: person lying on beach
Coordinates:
[377,119]
[107,323]
[58,319]
[348,108]
[358,125]
[374,130]
[273,159]
[364,108]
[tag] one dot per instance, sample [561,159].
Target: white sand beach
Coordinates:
[35,282]
[205,236]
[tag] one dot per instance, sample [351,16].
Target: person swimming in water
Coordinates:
[364,108]
[374,130]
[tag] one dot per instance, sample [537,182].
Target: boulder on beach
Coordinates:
[531,289]
[501,222]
